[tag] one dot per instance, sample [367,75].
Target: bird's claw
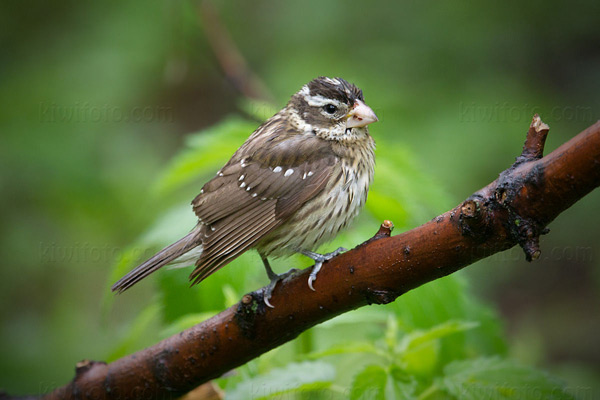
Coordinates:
[266,299]
[319,260]
[269,291]
[271,286]
[313,275]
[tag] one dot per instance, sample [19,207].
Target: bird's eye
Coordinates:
[329,108]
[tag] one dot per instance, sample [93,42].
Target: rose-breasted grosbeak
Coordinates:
[299,179]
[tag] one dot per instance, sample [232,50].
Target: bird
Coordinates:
[300,178]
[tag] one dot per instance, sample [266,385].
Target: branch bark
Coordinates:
[514,209]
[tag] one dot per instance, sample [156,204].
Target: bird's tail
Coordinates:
[165,256]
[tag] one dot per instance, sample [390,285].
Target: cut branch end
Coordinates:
[533,149]
[385,230]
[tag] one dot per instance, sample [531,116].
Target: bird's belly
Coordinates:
[320,219]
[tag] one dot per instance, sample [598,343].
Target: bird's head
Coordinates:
[333,109]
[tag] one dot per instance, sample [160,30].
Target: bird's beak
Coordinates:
[360,115]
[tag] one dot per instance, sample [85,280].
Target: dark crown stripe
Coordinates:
[345,91]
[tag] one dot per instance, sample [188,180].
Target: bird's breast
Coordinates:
[320,219]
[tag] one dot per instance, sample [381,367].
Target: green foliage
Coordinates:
[376,382]
[140,332]
[204,153]
[294,378]
[494,378]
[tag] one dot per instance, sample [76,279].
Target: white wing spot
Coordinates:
[201,191]
[242,177]
[254,194]
[243,163]
[212,228]
[277,169]
[310,173]
[243,184]
[248,189]
[304,176]
[263,198]
[288,172]
[220,174]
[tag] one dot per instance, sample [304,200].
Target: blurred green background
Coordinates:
[113,114]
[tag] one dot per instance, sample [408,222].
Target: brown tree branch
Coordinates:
[514,209]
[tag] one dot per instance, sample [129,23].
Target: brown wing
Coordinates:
[264,183]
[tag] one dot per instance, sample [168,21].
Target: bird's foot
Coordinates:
[319,259]
[271,286]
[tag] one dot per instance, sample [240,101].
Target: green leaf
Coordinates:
[377,383]
[401,191]
[349,348]
[495,378]
[446,299]
[360,316]
[231,295]
[401,385]
[370,384]
[414,340]
[142,332]
[294,378]
[124,264]
[170,226]
[206,151]
[419,350]
[391,332]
